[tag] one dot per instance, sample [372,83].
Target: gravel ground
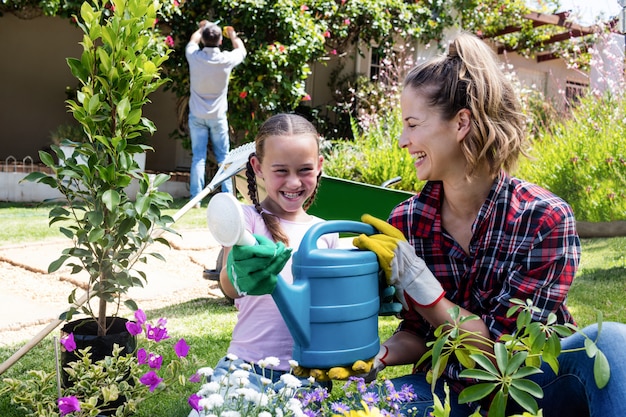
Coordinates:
[31,298]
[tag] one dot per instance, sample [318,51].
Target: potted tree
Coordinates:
[111,231]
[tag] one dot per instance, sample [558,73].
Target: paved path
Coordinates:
[30,297]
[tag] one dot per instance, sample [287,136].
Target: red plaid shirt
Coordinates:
[524,246]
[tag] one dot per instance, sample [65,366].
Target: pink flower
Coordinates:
[156,333]
[155,361]
[133,328]
[176,3]
[346,22]
[142,356]
[194,401]
[151,379]
[169,41]
[306,97]
[333,52]
[181,348]
[304,8]
[140,316]
[68,405]
[327,34]
[243,94]
[68,342]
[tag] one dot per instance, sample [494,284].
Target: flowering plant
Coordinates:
[113,385]
[233,394]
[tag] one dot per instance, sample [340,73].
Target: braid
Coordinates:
[271,222]
[311,199]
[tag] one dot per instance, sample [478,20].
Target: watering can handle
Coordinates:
[309,240]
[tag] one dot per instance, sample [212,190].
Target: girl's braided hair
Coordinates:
[282,124]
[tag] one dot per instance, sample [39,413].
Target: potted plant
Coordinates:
[111,231]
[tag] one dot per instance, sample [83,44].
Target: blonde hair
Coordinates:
[469,77]
[282,124]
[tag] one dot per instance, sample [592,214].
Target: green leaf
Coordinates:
[111,199]
[601,370]
[523,399]
[590,348]
[464,358]
[476,392]
[528,386]
[94,104]
[479,374]
[485,363]
[95,235]
[498,405]
[55,265]
[123,108]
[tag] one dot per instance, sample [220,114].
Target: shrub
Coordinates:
[582,159]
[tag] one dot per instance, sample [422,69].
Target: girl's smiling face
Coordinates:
[290,169]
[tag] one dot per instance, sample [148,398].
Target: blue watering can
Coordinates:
[331,309]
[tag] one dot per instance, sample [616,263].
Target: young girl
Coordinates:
[288,161]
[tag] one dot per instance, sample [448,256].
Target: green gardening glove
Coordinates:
[253,269]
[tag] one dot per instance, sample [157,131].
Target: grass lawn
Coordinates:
[206,324]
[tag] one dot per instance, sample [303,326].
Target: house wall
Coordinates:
[33,79]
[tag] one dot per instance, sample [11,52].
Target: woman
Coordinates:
[478,237]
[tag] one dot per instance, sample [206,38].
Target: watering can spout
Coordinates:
[293,301]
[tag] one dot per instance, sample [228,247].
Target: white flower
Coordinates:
[293,363]
[265,414]
[208,388]
[246,366]
[249,394]
[295,407]
[231,357]
[240,378]
[269,362]
[206,371]
[290,381]
[265,381]
[211,402]
[230,413]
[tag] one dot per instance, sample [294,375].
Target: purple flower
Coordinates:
[195,377]
[68,342]
[370,397]
[194,401]
[156,333]
[140,316]
[151,379]
[339,407]
[155,361]
[133,328]
[142,356]
[181,348]
[68,405]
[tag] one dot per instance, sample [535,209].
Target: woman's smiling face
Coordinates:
[434,143]
[290,169]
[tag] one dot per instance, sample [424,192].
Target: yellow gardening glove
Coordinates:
[406,271]
[364,369]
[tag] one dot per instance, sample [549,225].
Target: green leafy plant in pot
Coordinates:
[111,230]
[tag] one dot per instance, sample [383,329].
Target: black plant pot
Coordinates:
[86,335]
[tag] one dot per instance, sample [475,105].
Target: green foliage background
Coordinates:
[582,158]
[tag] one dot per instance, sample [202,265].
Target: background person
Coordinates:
[476,237]
[209,73]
